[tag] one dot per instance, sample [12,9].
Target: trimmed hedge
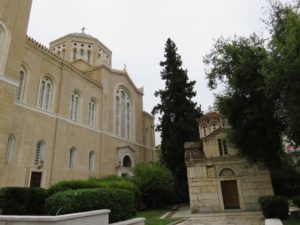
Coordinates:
[72,185]
[119,201]
[274,206]
[296,201]
[22,201]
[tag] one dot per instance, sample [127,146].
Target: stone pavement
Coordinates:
[228,218]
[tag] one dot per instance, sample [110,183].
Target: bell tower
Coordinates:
[14,17]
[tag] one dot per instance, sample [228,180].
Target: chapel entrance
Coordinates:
[230,194]
[36,179]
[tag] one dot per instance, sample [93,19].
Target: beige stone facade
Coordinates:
[64,112]
[219,180]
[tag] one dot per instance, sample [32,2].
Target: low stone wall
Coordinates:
[98,217]
[136,221]
[273,222]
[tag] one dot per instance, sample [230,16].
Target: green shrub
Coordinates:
[296,200]
[72,185]
[22,201]
[155,183]
[119,201]
[274,206]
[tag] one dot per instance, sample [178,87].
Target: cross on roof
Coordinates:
[82,29]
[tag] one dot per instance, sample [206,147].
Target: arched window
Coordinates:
[10,148]
[39,152]
[222,146]
[4,46]
[89,57]
[127,161]
[92,161]
[123,113]
[72,155]
[21,85]
[75,102]
[45,93]
[92,112]
[74,54]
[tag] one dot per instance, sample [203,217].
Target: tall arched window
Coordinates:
[10,148]
[39,152]
[21,85]
[4,46]
[72,155]
[75,102]
[45,93]
[123,113]
[92,112]
[92,161]
[74,54]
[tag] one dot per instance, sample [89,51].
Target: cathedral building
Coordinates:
[65,113]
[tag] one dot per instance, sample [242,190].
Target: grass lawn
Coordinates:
[291,222]
[152,217]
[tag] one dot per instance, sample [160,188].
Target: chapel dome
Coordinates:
[210,122]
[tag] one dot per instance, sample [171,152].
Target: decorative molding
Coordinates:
[8,80]
[79,124]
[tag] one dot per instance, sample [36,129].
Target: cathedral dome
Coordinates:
[83,47]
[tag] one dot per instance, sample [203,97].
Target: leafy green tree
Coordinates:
[155,182]
[250,111]
[283,68]
[178,114]
[261,79]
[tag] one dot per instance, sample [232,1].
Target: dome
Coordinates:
[82,35]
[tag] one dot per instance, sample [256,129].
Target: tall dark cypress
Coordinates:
[178,115]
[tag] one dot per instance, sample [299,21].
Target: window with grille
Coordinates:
[123,113]
[21,85]
[92,161]
[10,148]
[45,93]
[72,158]
[39,152]
[92,112]
[75,101]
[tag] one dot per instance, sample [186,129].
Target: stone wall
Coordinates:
[98,217]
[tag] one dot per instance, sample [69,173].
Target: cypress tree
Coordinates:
[178,116]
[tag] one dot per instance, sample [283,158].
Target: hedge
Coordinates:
[274,206]
[22,201]
[119,201]
[72,185]
[296,200]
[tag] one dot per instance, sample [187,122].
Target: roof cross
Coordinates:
[82,29]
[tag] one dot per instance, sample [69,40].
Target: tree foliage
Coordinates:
[261,81]
[178,113]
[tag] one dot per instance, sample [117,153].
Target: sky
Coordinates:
[136,32]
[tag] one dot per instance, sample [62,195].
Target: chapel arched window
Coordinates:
[4,46]
[92,112]
[92,161]
[72,155]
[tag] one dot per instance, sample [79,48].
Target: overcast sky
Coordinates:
[136,32]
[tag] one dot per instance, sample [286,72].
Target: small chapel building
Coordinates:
[219,179]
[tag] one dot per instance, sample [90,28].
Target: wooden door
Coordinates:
[230,194]
[36,179]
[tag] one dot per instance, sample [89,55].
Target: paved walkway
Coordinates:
[228,218]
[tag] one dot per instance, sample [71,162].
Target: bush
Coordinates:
[119,201]
[22,201]
[155,183]
[274,206]
[72,185]
[296,200]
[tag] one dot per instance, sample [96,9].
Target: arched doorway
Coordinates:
[229,189]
